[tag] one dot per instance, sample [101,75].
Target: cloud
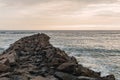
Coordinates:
[51,7]
[111,10]
[59,12]
[30,2]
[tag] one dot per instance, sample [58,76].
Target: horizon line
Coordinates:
[62,30]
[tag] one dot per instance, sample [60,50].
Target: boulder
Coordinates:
[83,71]
[67,67]
[86,78]
[108,77]
[64,76]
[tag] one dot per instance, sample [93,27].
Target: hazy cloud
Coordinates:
[59,12]
[29,2]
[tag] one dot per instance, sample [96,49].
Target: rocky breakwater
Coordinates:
[34,58]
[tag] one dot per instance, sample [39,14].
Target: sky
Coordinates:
[59,14]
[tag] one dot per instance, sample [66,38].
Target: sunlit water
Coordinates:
[98,50]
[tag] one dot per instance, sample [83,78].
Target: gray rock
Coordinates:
[83,71]
[4,68]
[67,67]
[86,78]
[39,78]
[65,76]
[18,77]
[4,78]
[109,77]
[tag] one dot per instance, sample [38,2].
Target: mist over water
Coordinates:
[98,50]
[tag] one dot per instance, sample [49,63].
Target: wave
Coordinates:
[1,50]
[92,50]
[16,32]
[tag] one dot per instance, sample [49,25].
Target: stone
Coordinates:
[7,74]
[5,61]
[109,77]
[51,78]
[83,71]
[18,77]
[68,67]
[11,56]
[86,78]
[73,60]
[4,78]
[4,68]
[64,76]
[39,78]
[61,54]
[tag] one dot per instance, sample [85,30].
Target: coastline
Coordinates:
[59,63]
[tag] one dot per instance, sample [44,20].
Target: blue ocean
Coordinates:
[97,50]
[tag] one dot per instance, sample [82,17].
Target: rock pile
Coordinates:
[34,58]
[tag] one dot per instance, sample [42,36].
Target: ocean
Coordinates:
[97,50]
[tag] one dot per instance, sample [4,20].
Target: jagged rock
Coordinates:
[11,56]
[39,78]
[4,78]
[109,77]
[44,78]
[86,78]
[5,74]
[4,68]
[18,77]
[34,58]
[4,61]
[83,71]
[65,76]
[68,67]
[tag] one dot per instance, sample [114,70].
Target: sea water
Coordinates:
[97,50]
